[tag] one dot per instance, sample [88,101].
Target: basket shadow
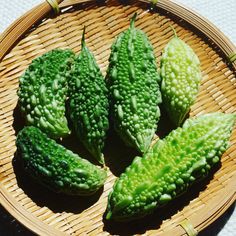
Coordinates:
[9,226]
[72,143]
[165,125]
[117,155]
[155,220]
[19,121]
[43,197]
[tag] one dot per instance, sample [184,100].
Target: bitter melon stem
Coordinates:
[175,35]
[83,38]
[133,20]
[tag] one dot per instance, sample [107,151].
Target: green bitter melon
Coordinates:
[43,91]
[181,76]
[185,155]
[56,167]
[88,102]
[133,82]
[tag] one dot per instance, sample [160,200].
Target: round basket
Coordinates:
[39,31]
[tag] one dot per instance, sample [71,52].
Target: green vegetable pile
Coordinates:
[61,84]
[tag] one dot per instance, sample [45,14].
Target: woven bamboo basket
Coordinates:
[40,30]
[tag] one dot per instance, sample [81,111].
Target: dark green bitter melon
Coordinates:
[173,164]
[43,91]
[88,102]
[133,82]
[181,76]
[56,167]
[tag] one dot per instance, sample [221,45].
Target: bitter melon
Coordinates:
[185,155]
[181,76]
[43,91]
[56,167]
[88,102]
[133,82]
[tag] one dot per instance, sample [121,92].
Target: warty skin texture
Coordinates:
[88,102]
[56,167]
[43,91]
[133,83]
[181,76]
[172,165]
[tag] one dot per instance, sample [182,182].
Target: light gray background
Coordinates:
[221,13]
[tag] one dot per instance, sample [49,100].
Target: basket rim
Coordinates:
[202,24]
[224,43]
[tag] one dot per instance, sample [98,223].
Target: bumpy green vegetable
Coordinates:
[180,73]
[43,90]
[133,81]
[56,167]
[88,102]
[173,163]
